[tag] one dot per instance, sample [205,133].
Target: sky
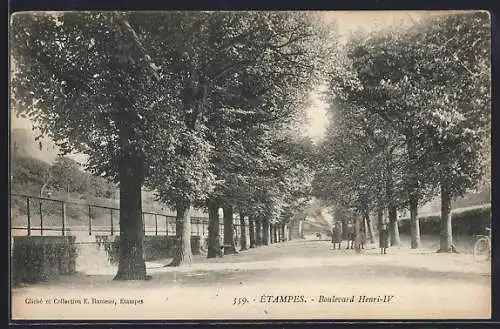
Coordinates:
[317,121]
[348,22]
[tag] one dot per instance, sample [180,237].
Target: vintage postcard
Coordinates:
[251,165]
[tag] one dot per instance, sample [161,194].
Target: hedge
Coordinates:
[42,258]
[464,222]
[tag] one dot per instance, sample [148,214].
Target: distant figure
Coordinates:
[383,238]
[318,235]
[337,234]
[349,234]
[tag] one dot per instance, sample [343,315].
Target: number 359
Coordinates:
[240,301]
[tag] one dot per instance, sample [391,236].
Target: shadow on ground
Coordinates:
[329,274]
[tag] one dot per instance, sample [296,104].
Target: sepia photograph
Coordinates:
[250,165]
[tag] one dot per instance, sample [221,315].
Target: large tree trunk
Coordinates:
[271,233]
[380,217]
[213,229]
[369,226]
[258,231]
[182,252]
[301,229]
[265,232]
[414,223]
[446,242]
[131,174]
[276,233]
[251,229]
[283,230]
[412,187]
[392,210]
[393,223]
[290,228]
[228,230]
[243,233]
[357,235]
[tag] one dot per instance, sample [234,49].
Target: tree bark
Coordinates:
[182,252]
[414,223]
[392,210]
[271,234]
[276,233]
[213,229]
[251,229]
[412,187]
[301,229]
[265,232]
[446,242]
[131,174]
[228,230]
[258,231]
[393,223]
[369,226]
[357,242]
[380,217]
[243,233]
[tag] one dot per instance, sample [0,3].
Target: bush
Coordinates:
[465,222]
[37,258]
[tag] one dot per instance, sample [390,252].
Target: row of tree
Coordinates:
[410,120]
[198,107]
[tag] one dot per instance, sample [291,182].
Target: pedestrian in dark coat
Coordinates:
[350,234]
[383,238]
[337,234]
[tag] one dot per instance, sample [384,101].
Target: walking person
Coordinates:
[383,238]
[350,234]
[337,234]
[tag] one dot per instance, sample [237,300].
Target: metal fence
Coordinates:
[32,215]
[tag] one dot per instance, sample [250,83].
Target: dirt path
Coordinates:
[322,283]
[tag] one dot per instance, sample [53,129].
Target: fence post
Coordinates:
[156,224]
[90,220]
[111,215]
[143,225]
[41,217]
[166,223]
[63,204]
[29,216]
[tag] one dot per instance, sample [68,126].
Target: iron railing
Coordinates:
[48,216]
